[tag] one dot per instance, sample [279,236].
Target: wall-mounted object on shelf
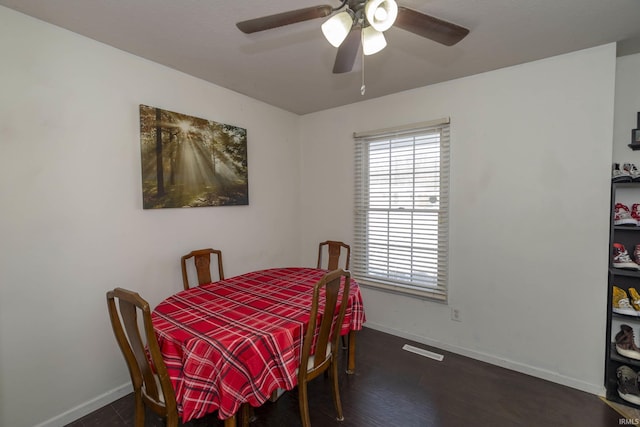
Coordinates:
[635,136]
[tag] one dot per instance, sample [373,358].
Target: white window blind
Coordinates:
[402,209]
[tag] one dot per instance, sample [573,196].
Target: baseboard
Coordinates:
[544,374]
[88,407]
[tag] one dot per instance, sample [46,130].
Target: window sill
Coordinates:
[432,295]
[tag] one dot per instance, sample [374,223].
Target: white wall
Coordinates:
[72,224]
[531,149]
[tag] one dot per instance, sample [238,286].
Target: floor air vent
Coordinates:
[423,352]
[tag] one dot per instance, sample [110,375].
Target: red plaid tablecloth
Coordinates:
[239,339]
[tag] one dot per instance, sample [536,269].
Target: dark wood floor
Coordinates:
[393,387]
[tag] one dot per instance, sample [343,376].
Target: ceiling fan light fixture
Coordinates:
[373,41]
[381,14]
[336,28]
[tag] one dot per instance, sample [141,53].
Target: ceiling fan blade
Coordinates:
[430,27]
[284,18]
[348,51]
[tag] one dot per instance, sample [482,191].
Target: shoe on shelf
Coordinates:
[626,343]
[628,384]
[634,299]
[636,254]
[632,170]
[619,174]
[635,212]
[621,304]
[623,216]
[621,258]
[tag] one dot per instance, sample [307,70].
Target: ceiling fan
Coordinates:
[361,22]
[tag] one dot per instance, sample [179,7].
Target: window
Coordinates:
[402,209]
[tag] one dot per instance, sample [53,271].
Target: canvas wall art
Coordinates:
[191,162]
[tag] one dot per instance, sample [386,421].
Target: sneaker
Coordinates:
[621,258]
[628,384]
[634,299]
[632,170]
[635,212]
[619,175]
[622,215]
[620,303]
[626,343]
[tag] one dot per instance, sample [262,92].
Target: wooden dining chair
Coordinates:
[153,390]
[323,358]
[333,250]
[202,261]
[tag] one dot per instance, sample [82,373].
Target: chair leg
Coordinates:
[172,419]
[336,390]
[246,414]
[138,409]
[231,421]
[351,353]
[304,404]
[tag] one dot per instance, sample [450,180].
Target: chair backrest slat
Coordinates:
[334,250]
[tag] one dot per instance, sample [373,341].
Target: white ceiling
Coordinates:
[291,67]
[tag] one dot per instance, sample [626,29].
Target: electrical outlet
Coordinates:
[455,314]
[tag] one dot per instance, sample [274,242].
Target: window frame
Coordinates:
[360,257]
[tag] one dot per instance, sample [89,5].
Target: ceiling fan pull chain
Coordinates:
[363,87]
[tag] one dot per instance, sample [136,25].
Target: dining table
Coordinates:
[238,340]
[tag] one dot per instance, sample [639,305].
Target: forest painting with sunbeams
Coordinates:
[191,162]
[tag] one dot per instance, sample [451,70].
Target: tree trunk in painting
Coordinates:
[173,149]
[159,168]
